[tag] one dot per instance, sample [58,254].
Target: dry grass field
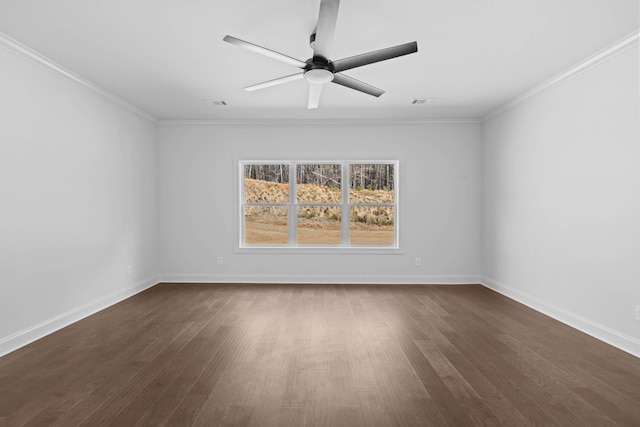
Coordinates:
[317,225]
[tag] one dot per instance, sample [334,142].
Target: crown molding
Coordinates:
[47,64]
[316,122]
[600,57]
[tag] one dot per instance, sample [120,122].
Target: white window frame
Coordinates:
[292,205]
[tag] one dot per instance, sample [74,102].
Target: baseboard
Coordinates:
[589,327]
[596,330]
[376,279]
[29,335]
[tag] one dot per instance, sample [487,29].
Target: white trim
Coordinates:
[589,327]
[308,279]
[316,122]
[292,205]
[328,249]
[45,63]
[35,332]
[602,56]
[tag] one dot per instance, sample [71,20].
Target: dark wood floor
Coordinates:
[289,355]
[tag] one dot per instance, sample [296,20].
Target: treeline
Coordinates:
[361,176]
[271,173]
[377,176]
[323,175]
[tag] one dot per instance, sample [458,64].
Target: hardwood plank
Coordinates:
[237,416]
[456,383]
[555,383]
[341,381]
[81,381]
[271,392]
[321,355]
[346,416]
[506,413]
[291,416]
[401,388]
[194,411]
[530,400]
[372,405]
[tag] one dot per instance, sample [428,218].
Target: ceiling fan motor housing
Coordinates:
[318,70]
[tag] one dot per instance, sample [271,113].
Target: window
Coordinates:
[318,204]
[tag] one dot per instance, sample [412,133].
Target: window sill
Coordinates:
[386,250]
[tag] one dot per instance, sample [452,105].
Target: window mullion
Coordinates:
[344,222]
[293,210]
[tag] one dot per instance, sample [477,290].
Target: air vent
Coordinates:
[215,103]
[419,101]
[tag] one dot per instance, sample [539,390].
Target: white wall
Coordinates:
[77,201]
[562,201]
[557,176]
[439,201]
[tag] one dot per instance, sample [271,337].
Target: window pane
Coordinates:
[371,183]
[301,204]
[266,225]
[318,225]
[371,225]
[266,183]
[318,183]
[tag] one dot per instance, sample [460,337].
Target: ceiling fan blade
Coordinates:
[314,95]
[375,56]
[264,51]
[352,83]
[326,28]
[275,82]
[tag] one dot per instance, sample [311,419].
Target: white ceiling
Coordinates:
[167,56]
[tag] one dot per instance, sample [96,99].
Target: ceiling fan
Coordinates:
[320,69]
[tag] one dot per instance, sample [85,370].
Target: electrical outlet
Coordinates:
[220,260]
[418,261]
[128,270]
[637,312]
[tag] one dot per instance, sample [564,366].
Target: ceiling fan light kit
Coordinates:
[318,76]
[320,70]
